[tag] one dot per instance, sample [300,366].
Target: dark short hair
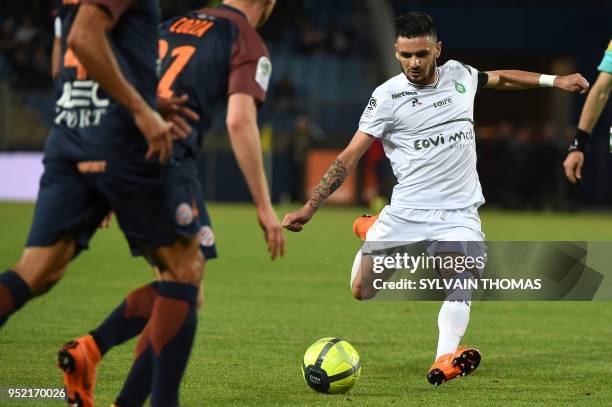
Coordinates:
[415,24]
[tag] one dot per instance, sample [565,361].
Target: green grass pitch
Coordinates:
[260,316]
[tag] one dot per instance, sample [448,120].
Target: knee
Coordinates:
[201,296]
[38,276]
[356,291]
[190,271]
[183,262]
[51,280]
[198,268]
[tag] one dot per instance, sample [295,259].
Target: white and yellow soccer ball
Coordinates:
[331,365]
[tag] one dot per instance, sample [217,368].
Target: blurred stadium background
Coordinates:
[328,56]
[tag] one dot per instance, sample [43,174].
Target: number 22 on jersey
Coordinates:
[181,56]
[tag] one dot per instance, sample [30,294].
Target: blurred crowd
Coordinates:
[520,166]
[324,70]
[25,46]
[312,26]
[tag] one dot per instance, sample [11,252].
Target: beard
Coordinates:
[420,76]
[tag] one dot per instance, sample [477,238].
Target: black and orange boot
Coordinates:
[79,359]
[447,367]
[362,224]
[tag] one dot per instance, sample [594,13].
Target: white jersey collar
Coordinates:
[433,85]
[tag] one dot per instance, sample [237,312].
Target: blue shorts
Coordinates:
[186,197]
[74,198]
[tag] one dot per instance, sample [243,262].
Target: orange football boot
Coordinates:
[461,363]
[79,359]
[362,224]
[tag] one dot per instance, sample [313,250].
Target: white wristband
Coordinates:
[547,81]
[58,27]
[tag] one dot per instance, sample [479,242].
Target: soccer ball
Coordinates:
[331,365]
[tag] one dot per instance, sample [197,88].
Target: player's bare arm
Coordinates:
[244,136]
[56,50]
[332,180]
[593,106]
[516,80]
[87,38]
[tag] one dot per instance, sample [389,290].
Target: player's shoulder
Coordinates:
[390,86]
[606,62]
[453,65]
[234,17]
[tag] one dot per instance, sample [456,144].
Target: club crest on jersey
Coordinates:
[459,87]
[184,214]
[207,237]
[264,71]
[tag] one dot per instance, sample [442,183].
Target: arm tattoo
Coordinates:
[331,181]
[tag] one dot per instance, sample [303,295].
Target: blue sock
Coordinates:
[173,327]
[14,292]
[137,386]
[163,348]
[127,320]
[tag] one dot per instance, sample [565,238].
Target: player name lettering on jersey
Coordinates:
[191,26]
[79,105]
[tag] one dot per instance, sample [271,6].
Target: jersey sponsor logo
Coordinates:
[459,139]
[462,139]
[443,103]
[415,102]
[184,214]
[79,106]
[428,142]
[264,71]
[402,94]
[207,236]
[370,110]
[459,87]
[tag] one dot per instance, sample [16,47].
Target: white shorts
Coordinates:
[417,225]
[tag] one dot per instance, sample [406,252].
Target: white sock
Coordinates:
[356,266]
[452,322]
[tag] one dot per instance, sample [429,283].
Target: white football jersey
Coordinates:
[428,135]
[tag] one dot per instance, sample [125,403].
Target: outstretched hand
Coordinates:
[296,220]
[572,83]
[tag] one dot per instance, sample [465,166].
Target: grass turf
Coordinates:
[260,316]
